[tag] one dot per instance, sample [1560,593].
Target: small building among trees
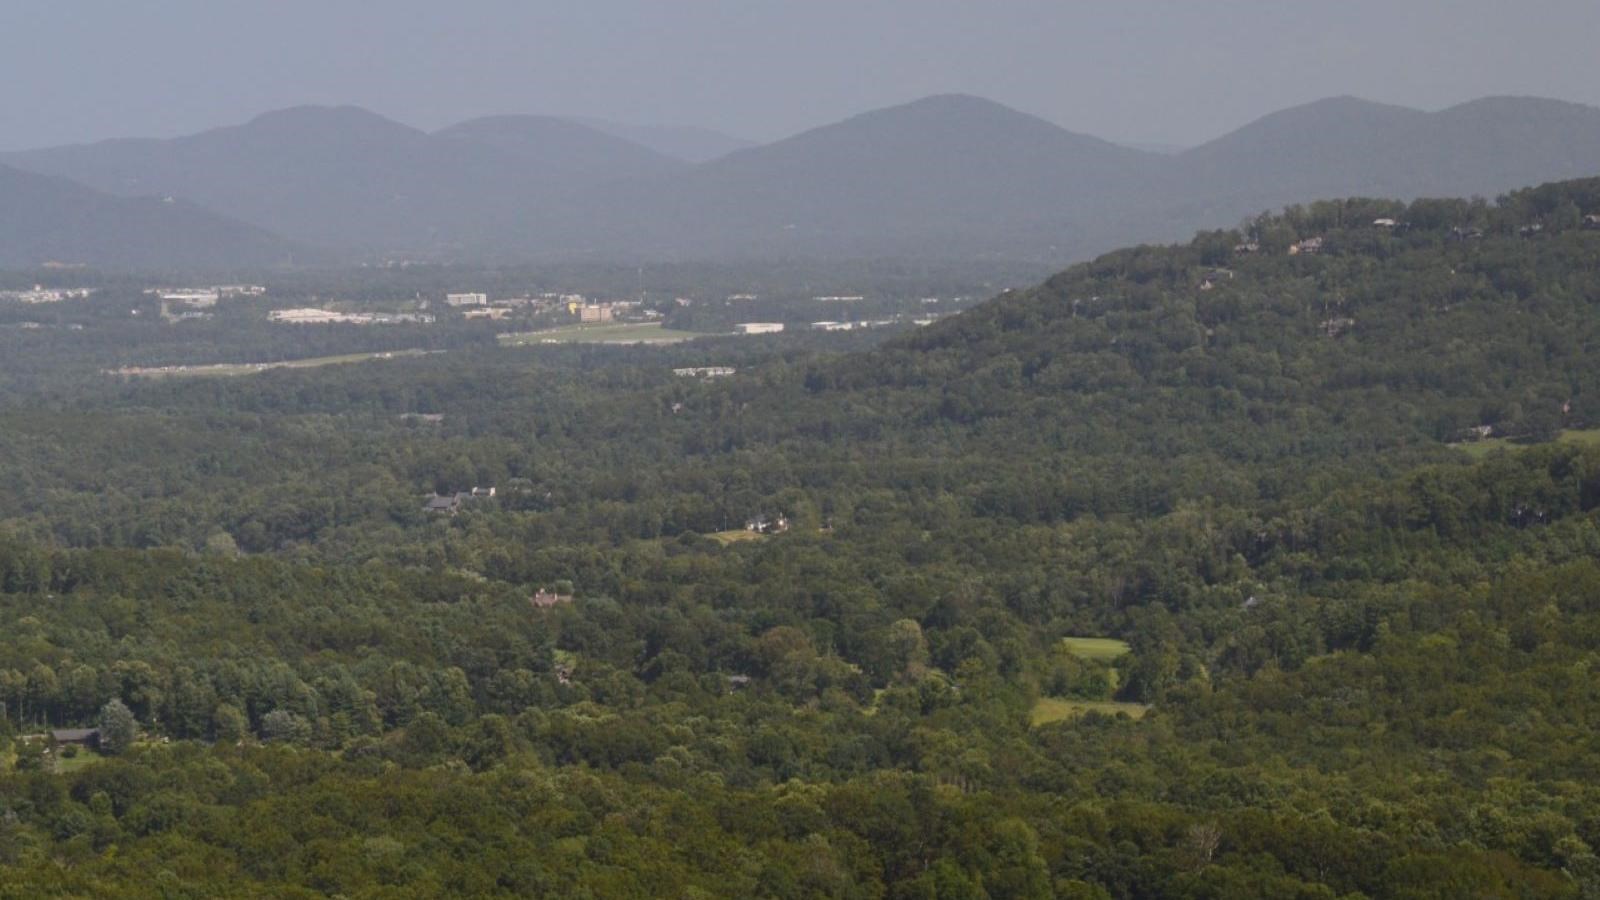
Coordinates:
[767,524]
[76,737]
[543,599]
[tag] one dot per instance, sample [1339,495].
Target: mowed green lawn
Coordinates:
[83,759]
[1479,449]
[1051,709]
[735,536]
[623,333]
[1095,648]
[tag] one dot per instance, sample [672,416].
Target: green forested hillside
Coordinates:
[1359,655]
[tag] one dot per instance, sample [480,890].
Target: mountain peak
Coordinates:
[952,107]
[322,119]
[1335,112]
[1518,105]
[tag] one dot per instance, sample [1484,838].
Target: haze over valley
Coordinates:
[1017,450]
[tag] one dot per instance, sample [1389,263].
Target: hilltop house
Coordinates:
[450,504]
[765,524]
[1308,246]
[1592,222]
[1337,326]
[543,599]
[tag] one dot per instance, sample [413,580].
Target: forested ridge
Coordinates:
[1340,504]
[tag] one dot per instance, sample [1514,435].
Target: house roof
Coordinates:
[74,734]
[442,502]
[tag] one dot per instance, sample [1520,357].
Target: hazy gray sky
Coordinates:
[1135,70]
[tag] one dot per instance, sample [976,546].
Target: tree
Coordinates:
[118,728]
[285,726]
[229,723]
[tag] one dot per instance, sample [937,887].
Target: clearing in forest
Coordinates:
[84,758]
[735,536]
[1052,709]
[1096,648]
[1584,437]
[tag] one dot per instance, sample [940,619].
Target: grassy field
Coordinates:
[1101,649]
[224,370]
[621,333]
[1480,449]
[85,758]
[735,536]
[1051,709]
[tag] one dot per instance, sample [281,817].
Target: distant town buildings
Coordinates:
[200,297]
[314,316]
[594,313]
[207,296]
[705,372]
[850,326]
[759,327]
[41,294]
[494,313]
[466,299]
[840,298]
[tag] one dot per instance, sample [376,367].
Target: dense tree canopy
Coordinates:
[1343,508]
